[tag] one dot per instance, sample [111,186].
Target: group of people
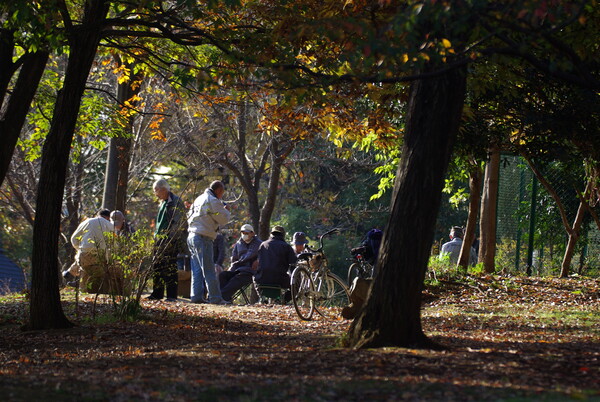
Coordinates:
[193,229]
[252,260]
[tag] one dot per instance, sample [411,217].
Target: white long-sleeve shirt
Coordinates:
[453,249]
[207,214]
[89,235]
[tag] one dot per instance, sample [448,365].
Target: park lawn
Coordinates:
[507,339]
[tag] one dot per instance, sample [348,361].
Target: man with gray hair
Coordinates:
[452,248]
[205,216]
[169,238]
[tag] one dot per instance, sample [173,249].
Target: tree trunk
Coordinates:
[474,201]
[119,152]
[72,203]
[392,315]
[487,222]
[111,176]
[16,110]
[278,156]
[565,268]
[45,307]
[7,67]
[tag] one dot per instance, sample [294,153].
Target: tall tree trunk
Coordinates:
[278,156]
[7,67]
[565,268]
[73,194]
[45,308]
[392,315]
[572,230]
[487,222]
[474,201]
[111,176]
[15,113]
[119,152]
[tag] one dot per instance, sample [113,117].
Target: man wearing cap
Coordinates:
[122,227]
[274,259]
[88,239]
[205,216]
[243,263]
[299,242]
[452,248]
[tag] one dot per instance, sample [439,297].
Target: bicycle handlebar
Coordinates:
[332,231]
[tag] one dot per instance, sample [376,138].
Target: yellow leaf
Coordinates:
[446,43]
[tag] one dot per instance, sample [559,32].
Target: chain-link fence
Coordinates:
[530,234]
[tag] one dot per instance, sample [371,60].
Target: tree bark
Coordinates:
[487,222]
[565,268]
[7,67]
[45,307]
[278,156]
[16,110]
[119,151]
[111,176]
[474,201]
[392,315]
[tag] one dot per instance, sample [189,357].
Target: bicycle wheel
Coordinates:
[303,293]
[331,296]
[354,271]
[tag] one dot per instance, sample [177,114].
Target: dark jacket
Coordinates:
[244,254]
[175,232]
[274,259]
[219,249]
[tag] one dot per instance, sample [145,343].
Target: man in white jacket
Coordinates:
[206,214]
[88,239]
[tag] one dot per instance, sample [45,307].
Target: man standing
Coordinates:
[205,216]
[274,259]
[169,236]
[452,248]
[243,263]
[90,261]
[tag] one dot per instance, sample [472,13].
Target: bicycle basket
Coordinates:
[316,262]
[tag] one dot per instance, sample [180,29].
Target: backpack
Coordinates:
[372,242]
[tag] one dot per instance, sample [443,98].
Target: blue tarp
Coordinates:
[11,276]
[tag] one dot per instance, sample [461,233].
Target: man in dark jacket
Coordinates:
[169,234]
[219,252]
[274,259]
[243,263]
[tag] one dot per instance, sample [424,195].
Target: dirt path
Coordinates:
[180,351]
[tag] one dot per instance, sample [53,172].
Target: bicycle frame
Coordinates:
[326,289]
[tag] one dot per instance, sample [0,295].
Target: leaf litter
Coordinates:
[506,338]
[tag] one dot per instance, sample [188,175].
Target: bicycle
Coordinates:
[360,267]
[314,287]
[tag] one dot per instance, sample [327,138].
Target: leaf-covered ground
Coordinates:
[507,339]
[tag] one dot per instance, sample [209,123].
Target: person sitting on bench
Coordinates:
[274,259]
[243,263]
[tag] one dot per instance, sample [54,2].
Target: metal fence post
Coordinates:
[531,226]
[521,196]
